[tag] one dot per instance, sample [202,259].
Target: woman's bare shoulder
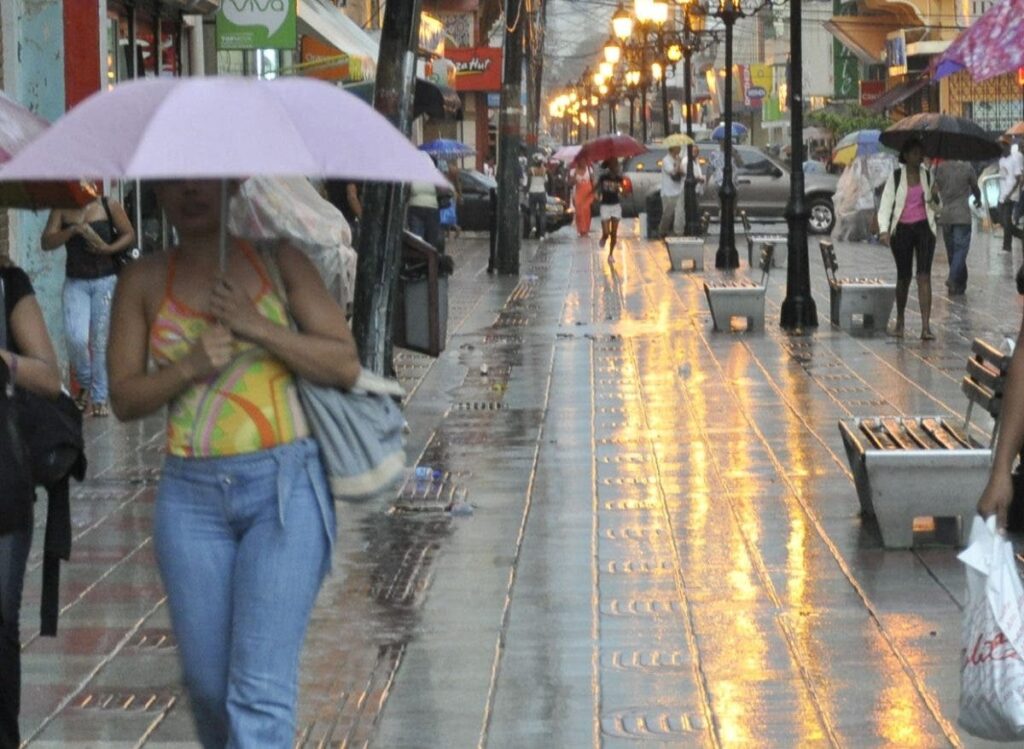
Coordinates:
[146,275]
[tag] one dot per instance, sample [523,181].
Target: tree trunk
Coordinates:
[380,245]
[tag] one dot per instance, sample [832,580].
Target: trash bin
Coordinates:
[421,319]
[653,214]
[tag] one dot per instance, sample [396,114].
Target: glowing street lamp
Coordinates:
[622,23]
[606,69]
[612,51]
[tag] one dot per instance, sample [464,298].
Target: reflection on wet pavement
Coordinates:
[656,538]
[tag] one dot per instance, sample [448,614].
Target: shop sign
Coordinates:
[431,36]
[870,90]
[257,24]
[328,63]
[478,69]
[762,76]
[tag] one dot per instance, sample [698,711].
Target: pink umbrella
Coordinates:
[18,127]
[222,128]
[609,147]
[566,153]
[993,45]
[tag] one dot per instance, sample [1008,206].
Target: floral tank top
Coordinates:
[250,405]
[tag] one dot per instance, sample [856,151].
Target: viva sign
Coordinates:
[256,24]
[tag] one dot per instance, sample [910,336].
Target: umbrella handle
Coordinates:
[223,246]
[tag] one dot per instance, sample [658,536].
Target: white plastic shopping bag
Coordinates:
[992,670]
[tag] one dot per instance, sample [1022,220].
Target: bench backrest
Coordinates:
[765,264]
[985,382]
[828,257]
[705,223]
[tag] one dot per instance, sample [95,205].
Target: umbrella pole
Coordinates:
[223,254]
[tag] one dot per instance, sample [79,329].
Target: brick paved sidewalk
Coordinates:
[665,544]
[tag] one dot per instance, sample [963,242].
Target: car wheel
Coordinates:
[822,215]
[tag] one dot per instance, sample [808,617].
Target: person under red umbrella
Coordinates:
[582,197]
[609,185]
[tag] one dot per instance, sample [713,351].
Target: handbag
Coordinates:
[122,258]
[360,431]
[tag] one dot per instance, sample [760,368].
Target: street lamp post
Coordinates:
[691,227]
[798,308]
[727,257]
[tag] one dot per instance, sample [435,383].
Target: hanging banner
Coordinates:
[478,69]
[257,24]
[762,76]
[328,63]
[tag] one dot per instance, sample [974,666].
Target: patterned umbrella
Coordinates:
[991,46]
[857,143]
[444,147]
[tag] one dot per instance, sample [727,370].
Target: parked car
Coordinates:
[475,209]
[762,186]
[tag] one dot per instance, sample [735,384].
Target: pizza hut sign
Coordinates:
[477,68]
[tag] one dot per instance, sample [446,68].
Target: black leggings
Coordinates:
[909,241]
[14,548]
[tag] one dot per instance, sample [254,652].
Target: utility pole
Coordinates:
[509,139]
[380,247]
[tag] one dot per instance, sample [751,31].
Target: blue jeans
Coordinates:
[957,238]
[14,548]
[86,327]
[243,544]
[538,203]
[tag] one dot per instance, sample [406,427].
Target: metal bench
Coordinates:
[867,300]
[910,467]
[759,240]
[733,297]
[685,250]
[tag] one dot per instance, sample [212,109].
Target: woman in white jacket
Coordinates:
[906,224]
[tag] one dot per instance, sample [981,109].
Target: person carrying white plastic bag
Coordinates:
[992,682]
[992,670]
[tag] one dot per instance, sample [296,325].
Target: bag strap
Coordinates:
[3,315]
[110,217]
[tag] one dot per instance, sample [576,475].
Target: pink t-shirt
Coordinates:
[913,209]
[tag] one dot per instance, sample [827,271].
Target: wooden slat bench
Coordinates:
[868,301]
[926,466]
[732,297]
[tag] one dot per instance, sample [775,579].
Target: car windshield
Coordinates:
[473,178]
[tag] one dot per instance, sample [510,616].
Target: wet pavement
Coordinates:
[663,548]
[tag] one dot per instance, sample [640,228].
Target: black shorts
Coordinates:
[910,241]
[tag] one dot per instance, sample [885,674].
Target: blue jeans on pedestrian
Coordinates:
[14,548]
[538,206]
[957,238]
[243,544]
[86,327]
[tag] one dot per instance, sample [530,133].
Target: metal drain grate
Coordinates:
[648,724]
[478,406]
[429,495]
[142,701]
[648,661]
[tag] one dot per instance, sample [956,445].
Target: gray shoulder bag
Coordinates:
[360,431]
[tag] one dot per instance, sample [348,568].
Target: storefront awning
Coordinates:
[896,94]
[864,35]
[331,25]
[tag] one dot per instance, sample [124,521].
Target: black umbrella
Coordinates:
[943,136]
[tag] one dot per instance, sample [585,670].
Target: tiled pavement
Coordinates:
[665,547]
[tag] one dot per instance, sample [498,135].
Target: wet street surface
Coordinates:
[636,531]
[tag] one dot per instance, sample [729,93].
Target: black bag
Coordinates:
[15,475]
[121,259]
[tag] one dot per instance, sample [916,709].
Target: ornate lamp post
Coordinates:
[693,26]
[632,79]
[727,257]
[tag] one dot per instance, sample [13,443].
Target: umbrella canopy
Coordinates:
[738,131]
[566,153]
[222,127]
[857,143]
[990,46]
[609,147]
[447,148]
[677,140]
[1017,129]
[18,127]
[943,136]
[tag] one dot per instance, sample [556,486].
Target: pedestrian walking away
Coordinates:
[92,237]
[242,505]
[609,184]
[538,196]
[1011,174]
[672,173]
[583,197]
[955,183]
[27,361]
[423,214]
[906,224]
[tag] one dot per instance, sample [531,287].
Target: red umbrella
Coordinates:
[991,46]
[18,126]
[608,147]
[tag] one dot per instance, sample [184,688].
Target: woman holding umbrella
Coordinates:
[609,184]
[244,523]
[582,196]
[906,224]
